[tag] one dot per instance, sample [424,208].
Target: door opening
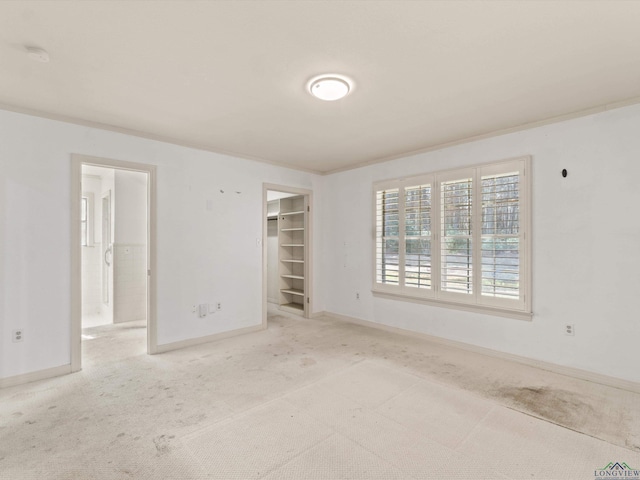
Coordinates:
[113,259]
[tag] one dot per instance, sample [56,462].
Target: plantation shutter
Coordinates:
[418,236]
[456,233]
[388,236]
[501,236]
[456,237]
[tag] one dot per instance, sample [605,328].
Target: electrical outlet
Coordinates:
[219,305]
[194,308]
[569,329]
[18,336]
[357,295]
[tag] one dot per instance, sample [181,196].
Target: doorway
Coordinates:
[113,254]
[287,250]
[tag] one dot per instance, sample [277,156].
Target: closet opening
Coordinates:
[287,250]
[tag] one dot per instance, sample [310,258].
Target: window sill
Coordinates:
[498,312]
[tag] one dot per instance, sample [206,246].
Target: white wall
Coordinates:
[586,238]
[203,255]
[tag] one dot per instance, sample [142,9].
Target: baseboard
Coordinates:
[167,347]
[551,367]
[35,376]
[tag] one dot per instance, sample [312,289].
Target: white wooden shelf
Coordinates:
[292,254]
[293,291]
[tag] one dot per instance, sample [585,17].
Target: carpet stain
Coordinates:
[162,444]
[556,405]
[307,362]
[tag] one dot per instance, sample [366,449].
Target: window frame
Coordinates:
[513,308]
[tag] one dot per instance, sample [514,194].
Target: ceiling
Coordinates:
[231,76]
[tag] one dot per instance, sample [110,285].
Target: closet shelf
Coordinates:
[297,307]
[297,277]
[292,254]
[293,291]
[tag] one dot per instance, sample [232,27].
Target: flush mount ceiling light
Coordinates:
[329,87]
[37,54]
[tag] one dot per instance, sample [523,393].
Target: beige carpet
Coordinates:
[310,399]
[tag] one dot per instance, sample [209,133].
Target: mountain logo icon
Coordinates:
[618,470]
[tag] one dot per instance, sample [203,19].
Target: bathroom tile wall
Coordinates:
[92,279]
[130,290]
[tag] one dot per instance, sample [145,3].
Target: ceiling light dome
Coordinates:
[329,87]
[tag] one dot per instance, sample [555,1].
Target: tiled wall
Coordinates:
[130,270]
[91,279]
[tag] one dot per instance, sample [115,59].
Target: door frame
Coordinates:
[308,266]
[106,235]
[77,160]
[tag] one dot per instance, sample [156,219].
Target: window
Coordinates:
[86,220]
[456,238]
[84,210]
